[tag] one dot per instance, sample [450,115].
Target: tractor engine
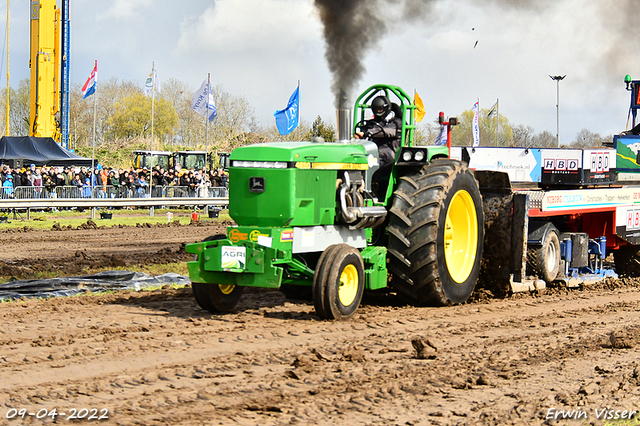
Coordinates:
[285,184]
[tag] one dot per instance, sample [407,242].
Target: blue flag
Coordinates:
[441,139]
[287,119]
[199,102]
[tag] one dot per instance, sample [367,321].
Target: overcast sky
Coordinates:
[259,49]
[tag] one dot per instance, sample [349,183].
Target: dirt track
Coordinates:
[156,358]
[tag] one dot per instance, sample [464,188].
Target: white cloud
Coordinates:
[248,25]
[125,9]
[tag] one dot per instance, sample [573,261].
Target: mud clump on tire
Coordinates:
[497,234]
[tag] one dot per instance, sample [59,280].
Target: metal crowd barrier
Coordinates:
[112,192]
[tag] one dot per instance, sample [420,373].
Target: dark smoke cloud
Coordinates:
[348,33]
[352,28]
[623,20]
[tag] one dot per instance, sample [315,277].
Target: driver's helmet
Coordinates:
[381,106]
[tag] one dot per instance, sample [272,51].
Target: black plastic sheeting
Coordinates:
[100,282]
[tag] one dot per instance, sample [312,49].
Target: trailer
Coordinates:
[561,212]
[316,221]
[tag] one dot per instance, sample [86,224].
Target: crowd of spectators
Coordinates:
[116,182]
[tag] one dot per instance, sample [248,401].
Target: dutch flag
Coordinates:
[89,87]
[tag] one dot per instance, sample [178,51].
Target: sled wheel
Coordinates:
[338,284]
[544,261]
[436,234]
[216,298]
[627,261]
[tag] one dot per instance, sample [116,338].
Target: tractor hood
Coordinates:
[335,156]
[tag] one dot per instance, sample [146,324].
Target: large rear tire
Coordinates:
[338,283]
[627,261]
[436,234]
[216,298]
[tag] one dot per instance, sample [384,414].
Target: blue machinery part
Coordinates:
[597,252]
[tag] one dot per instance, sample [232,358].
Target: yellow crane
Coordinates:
[49,70]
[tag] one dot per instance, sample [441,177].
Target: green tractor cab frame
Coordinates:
[402,105]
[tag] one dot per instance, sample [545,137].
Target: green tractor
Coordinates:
[310,223]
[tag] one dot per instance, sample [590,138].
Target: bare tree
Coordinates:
[235,117]
[587,139]
[522,135]
[545,140]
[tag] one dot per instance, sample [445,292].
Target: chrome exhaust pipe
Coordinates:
[343,120]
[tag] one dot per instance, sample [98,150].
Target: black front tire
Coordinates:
[338,284]
[216,298]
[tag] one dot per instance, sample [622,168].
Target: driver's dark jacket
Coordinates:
[385,131]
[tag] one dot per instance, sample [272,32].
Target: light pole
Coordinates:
[557,78]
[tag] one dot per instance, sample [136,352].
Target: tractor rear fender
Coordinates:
[506,224]
[494,182]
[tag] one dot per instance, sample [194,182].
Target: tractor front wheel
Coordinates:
[216,298]
[338,283]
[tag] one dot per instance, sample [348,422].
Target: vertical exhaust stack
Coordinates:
[343,118]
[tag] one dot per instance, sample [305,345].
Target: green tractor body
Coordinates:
[310,223]
[292,184]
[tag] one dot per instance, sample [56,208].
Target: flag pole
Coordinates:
[8,107]
[206,120]
[153,96]
[299,129]
[153,92]
[93,146]
[497,119]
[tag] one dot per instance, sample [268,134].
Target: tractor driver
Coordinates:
[385,129]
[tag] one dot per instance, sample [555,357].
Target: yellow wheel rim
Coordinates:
[348,285]
[460,236]
[226,288]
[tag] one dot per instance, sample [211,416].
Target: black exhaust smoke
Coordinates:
[352,28]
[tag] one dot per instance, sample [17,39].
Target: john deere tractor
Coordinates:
[310,222]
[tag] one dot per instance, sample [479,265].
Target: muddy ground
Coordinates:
[156,358]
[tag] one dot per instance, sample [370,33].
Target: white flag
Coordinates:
[199,102]
[493,111]
[152,83]
[476,126]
